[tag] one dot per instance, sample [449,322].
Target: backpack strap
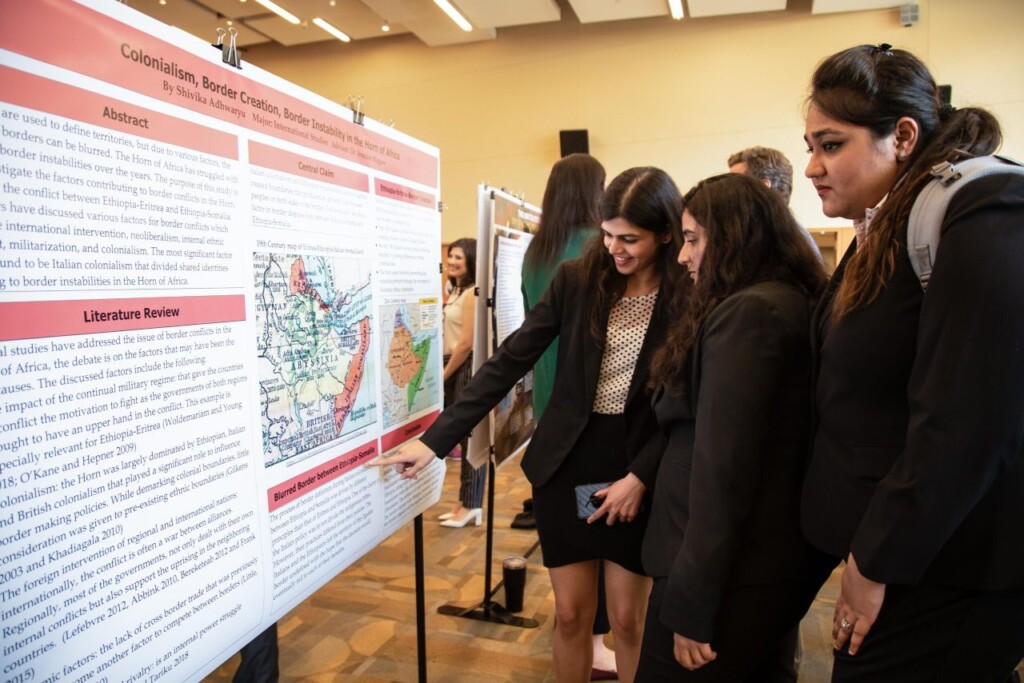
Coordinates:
[929,210]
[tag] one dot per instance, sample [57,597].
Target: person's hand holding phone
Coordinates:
[620,502]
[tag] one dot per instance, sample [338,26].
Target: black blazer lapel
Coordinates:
[592,356]
[820,318]
[823,309]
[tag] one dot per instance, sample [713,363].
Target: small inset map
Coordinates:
[313,324]
[410,346]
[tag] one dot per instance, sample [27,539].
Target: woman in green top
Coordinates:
[569,219]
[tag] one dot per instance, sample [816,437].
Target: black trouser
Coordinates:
[939,635]
[751,632]
[259,659]
[471,479]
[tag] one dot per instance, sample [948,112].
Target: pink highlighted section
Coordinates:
[44,95]
[82,40]
[37,319]
[295,164]
[409,430]
[405,194]
[310,480]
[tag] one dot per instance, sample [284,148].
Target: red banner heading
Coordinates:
[407,432]
[311,479]
[279,160]
[75,37]
[36,319]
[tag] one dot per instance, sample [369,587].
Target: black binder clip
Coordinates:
[356,105]
[229,52]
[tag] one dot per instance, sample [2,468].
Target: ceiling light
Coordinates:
[385,27]
[279,11]
[340,35]
[163,2]
[454,15]
[676,8]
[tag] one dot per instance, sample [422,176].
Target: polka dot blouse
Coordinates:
[627,325]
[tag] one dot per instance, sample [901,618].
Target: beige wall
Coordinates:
[679,95]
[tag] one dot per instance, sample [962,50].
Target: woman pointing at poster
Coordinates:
[609,311]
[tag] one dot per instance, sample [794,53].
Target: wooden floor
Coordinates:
[361,626]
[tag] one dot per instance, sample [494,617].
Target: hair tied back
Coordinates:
[882,49]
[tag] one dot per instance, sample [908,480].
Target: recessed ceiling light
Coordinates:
[385,28]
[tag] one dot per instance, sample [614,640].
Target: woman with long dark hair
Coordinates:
[732,572]
[609,311]
[917,468]
[570,217]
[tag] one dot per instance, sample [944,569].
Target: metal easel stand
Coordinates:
[421,612]
[489,610]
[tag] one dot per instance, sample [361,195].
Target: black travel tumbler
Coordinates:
[513,571]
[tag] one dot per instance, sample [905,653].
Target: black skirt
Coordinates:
[599,456]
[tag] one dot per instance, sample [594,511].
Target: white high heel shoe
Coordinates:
[445,517]
[474,514]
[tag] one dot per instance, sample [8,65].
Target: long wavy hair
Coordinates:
[570,203]
[873,87]
[649,199]
[750,237]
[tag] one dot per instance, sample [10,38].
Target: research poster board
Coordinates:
[507,226]
[219,300]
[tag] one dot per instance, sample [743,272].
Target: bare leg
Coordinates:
[575,588]
[604,659]
[627,606]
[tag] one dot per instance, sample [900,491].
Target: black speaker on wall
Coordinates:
[574,142]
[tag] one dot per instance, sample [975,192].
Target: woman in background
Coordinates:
[732,572]
[917,470]
[609,311]
[459,317]
[570,217]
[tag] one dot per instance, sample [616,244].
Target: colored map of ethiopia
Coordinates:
[313,321]
[410,380]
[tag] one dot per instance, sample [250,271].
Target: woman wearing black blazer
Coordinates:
[733,573]
[917,474]
[609,312]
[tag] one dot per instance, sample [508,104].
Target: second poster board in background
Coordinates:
[506,226]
